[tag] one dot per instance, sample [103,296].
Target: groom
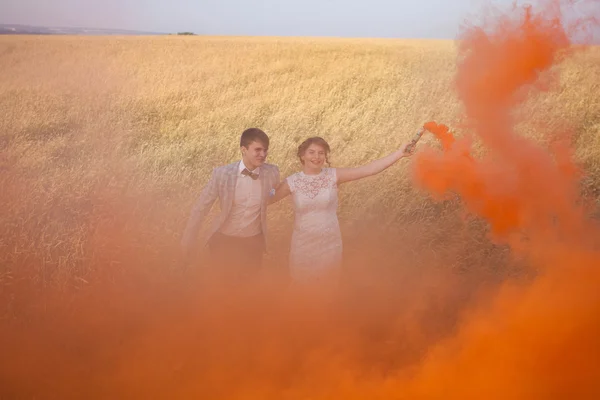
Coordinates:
[237,240]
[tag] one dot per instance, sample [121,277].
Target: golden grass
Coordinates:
[106,141]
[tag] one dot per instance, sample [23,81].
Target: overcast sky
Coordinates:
[346,18]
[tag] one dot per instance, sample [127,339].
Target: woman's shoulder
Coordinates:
[292,179]
[325,172]
[293,176]
[328,176]
[330,172]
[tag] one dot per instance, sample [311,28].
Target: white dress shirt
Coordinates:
[244,219]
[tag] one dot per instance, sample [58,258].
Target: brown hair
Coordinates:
[314,140]
[254,135]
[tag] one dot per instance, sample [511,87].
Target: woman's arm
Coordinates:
[281,192]
[372,168]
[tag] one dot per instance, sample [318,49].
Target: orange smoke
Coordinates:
[537,341]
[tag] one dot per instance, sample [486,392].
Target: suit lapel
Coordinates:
[264,181]
[230,182]
[263,178]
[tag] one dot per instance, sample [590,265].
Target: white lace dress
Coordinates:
[316,248]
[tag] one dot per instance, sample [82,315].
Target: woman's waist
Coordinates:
[311,224]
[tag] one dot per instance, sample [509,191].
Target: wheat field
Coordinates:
[106,142]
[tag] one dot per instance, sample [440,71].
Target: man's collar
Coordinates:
[242,166]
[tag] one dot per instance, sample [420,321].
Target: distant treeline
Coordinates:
[34,30]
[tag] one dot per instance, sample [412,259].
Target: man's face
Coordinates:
[255,155]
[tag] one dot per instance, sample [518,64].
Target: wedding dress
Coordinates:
[316,248]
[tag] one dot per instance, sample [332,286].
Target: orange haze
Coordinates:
[142,335]
[539,341]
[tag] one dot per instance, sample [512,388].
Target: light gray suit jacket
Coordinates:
[222,186]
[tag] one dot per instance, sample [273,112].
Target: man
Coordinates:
[237,240]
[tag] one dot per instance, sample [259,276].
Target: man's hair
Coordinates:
[254,135]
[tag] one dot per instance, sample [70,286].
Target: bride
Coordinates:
[316,248]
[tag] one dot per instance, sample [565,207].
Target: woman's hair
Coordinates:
[314,140]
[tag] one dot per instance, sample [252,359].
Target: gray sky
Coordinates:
[346,18]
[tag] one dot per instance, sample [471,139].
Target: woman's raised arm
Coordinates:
[372,168]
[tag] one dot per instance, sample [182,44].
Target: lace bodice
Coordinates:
[315,198]
[311,185]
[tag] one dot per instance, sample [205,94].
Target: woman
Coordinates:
[316,248]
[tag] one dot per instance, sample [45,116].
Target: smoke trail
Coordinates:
[538,341]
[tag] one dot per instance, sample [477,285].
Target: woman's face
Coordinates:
[314,157]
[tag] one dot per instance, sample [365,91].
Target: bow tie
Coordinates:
[250,174]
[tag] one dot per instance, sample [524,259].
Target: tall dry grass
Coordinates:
[106,142]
